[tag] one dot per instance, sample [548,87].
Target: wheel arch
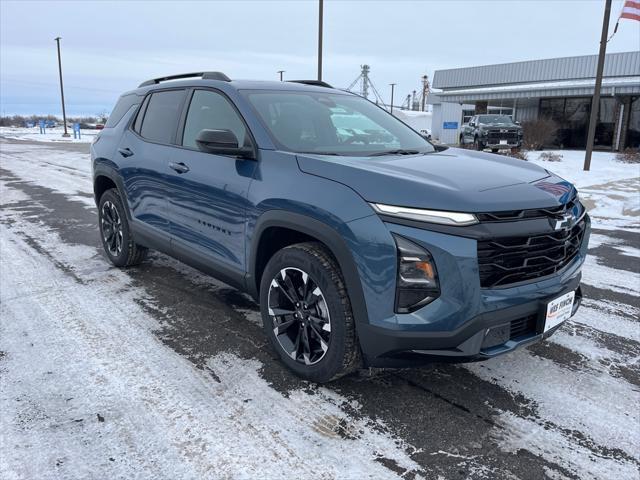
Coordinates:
[305,228]
[105,177]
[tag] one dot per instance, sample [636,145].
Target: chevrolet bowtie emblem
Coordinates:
[564,223]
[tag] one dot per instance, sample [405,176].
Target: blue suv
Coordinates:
[364,244]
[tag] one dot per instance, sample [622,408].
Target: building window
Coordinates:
[572,117]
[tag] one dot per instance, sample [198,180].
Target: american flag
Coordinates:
[631,10]
[557,189]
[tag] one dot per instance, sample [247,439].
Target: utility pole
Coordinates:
[320,13]
[393,86]
[595,104]
[425,90]
[281,72]
[64,113]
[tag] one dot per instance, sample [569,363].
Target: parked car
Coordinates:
[497,132]
[362,249]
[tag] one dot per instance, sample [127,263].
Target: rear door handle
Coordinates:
[125,152]
[179,167]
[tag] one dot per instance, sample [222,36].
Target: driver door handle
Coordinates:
[179,167]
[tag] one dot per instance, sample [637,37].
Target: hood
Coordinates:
[499,125]
[455,180]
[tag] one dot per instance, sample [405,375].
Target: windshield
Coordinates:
[333,124]
[494,119]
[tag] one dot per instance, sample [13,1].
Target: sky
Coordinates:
[109,47]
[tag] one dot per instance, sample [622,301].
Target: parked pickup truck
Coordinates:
[491,131]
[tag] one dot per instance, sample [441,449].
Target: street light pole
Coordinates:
[393,85]
[64,113]
[595,104]
[281,72]
[320,14]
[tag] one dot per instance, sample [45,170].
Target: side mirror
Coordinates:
[472,124]
[222,142]
[516,122]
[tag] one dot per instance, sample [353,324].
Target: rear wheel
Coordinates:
[306,313]
[494,150]
[115,233]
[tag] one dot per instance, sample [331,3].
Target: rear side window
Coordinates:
[138,123]
[161,117]
[211,110]
[124,104]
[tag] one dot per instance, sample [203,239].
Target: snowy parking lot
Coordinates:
[161,372]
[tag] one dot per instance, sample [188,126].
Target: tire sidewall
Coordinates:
[333,361]
[113,197]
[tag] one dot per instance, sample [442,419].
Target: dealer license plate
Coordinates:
[559,310]
[503,142]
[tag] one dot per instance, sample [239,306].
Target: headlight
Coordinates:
[432,216]
[417,283]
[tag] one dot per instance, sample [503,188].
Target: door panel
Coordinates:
[143,157]
[145,176]
[208,202]
[208,205]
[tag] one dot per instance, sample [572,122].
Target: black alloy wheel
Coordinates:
[306,313]
[301,320]
[111,228]
[116,236]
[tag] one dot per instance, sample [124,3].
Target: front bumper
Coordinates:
[467,322]
[484,336]
[503,146]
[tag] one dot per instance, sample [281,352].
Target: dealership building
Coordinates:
[557,88]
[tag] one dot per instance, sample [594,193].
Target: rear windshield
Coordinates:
[122,106]
[333,124]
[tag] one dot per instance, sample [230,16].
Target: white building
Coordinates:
[558,88]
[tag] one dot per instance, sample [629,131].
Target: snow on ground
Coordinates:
[143,409]
[51,135]
[89,390]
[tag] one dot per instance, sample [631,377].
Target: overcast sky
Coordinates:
[109,47]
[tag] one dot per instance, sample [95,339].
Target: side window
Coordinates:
[138,123]
[162,115]
[124,104]
[211,110]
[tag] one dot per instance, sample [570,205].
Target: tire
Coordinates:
[461,139]
[115,234]
[319,351]
[478,144]
[495,150]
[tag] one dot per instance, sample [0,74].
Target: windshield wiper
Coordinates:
[321,153]
[399,151]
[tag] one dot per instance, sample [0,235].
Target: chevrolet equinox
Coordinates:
[363,243]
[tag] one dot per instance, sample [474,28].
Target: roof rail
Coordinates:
[317,83]
[204,75]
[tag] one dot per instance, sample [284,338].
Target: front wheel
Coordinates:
[478,144]
[461,139]
[306,313]
[115,233]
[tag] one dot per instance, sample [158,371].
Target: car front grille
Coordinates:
[572,205]
[508,260]
[494,136]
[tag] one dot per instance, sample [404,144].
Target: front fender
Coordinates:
[335,240]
